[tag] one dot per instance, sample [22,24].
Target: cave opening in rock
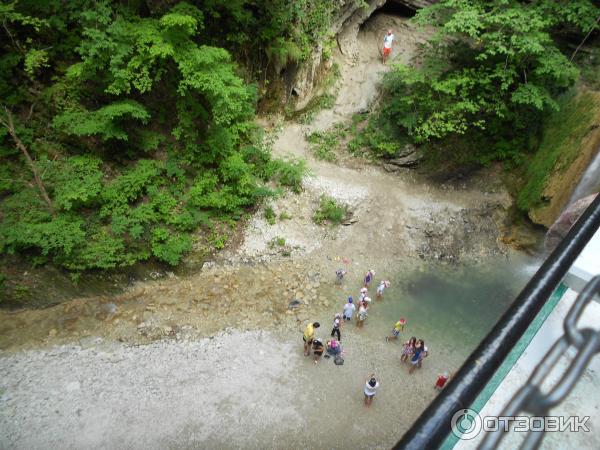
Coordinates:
[396,8]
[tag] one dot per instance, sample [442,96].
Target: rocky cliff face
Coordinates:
[305,76]
[563,180]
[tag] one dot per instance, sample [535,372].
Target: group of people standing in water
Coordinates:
[414,350]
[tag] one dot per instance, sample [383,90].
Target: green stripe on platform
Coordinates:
[512,358]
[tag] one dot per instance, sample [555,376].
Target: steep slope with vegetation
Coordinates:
[127,129]
[569,141]
[126,126]
[487,81]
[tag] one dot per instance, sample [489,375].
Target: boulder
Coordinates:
[405,151]
[411,160]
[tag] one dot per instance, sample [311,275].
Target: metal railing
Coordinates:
[530,398]
[434,425]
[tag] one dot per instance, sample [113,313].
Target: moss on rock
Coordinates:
[570,139]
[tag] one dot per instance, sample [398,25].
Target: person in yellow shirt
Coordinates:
[397,329]
[309,335]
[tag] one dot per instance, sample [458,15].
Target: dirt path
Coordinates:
[67,381]
[391,208]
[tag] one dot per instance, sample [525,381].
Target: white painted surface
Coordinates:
[584,400]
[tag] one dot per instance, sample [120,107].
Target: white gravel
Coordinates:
[161,395]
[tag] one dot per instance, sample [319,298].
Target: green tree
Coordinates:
[138,132]
[491,65]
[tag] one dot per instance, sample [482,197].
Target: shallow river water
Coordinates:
[253,389]
[451,307]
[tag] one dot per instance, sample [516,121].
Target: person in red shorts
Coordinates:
[387,45]
[441,381]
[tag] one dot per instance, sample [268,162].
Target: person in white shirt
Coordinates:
[337,325]
[382,287]
[349,309]
[371,386]
[387,45]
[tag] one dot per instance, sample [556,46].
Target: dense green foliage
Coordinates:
[561,140]
[137,122]
[490,72]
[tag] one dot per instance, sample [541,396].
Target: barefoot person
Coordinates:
[371,386]
[397,329]
[387,45]
[382,287]
[309,335]
[340,275]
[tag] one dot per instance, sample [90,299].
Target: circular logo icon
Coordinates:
[466,424]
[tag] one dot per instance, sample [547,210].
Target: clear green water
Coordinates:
[452,308]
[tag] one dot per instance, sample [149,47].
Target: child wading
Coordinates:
[383,285]
[337,324]
[371,386]
[362,315]
[340,275]
[408,348]
[363,293]
[397,329]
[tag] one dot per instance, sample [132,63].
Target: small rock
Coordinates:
[294,304]
[52,332]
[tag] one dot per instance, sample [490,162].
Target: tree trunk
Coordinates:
[9,124]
